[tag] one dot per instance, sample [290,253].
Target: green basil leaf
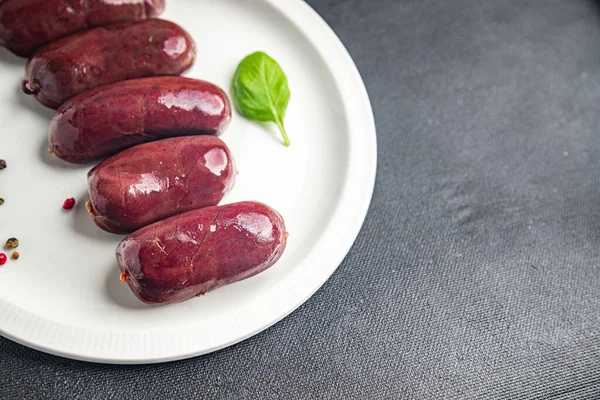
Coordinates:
[261,91]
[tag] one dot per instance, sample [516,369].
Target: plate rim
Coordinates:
[28,329]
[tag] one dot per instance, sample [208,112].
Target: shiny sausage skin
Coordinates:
[105,55]
[192,253]
[156,180]
[103,121]
[27,25]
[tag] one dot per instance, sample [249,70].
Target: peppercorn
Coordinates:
[90,208]
[3,258]
[15,255]
[1,201]
[2,164]
[69,204]
[12,243]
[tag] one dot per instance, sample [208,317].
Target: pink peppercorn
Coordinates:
[69,204]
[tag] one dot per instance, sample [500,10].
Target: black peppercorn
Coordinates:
[12,243]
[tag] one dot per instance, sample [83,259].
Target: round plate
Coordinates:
[63,296]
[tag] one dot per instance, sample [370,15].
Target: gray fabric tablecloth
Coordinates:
[476,275]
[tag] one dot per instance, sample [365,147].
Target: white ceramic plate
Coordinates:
[63,296]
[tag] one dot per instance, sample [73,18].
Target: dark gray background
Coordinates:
[477,272]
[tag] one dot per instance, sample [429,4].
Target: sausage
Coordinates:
[105,55]
[27,25]
[192,253]
[103,121]
[152,181]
